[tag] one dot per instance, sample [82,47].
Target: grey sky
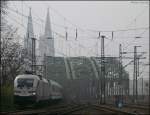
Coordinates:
[88,16]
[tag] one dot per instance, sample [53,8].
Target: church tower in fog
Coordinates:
[46,43]
[29,36]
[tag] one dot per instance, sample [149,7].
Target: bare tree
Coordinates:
[12,54]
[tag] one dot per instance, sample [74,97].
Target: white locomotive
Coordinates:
[33,88]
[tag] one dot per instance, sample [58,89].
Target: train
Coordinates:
[33,89]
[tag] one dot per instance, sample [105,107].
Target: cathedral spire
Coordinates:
[30,33]
[46,44]
[48,31]
[28,41]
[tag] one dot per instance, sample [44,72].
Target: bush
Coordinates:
[7,98]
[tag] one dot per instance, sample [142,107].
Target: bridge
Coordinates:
[81,77]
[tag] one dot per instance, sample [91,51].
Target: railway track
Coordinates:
[112,110]
[137,106]
[75,109]
[139,109]
[39,111]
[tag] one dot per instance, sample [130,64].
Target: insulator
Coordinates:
[66,35]
[99,35]
[76,34]
[112,35]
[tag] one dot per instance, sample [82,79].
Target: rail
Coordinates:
[69,109]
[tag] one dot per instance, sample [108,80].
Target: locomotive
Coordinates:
[33,88]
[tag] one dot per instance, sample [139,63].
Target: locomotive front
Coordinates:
[25,88]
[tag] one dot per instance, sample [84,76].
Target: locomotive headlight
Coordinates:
[33,93]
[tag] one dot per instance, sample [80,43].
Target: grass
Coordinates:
[7,98]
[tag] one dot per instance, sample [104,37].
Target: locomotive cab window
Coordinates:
[24,82]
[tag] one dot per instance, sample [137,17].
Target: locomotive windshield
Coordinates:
[25,82]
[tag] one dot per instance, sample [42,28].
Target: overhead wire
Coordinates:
[134,39]
[84,29]
[35,21]
[103,31]
[61,36]
[30,31]
[76,29]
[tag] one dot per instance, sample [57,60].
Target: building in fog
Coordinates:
[29,35]
[28,41]
[46,41]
